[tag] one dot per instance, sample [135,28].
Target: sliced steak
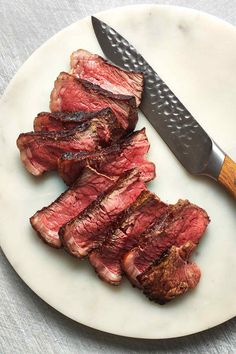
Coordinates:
[113,160]
[87,231]
[46,121]
[48,220]
[40,151]
[183,222]
[72,94]
[93,68]
[172,276]
[135,220]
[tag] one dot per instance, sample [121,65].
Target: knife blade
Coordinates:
[185,137]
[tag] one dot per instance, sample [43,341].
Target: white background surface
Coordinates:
[27,325]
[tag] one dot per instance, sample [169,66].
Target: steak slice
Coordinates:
[87,231]
[40,151]
[46,121]
[113,160]
[93,68]
[106,260]
[72,94]
[172,276]
[87,187]
[183,222]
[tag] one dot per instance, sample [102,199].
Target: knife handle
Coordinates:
[227,176]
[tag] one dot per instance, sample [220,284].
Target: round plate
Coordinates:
[195,54]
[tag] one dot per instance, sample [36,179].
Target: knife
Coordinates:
[189,142]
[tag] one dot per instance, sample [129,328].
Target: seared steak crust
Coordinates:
[106,260]
[52,121]
[97,70]
[87,230]
[40,151]
[183,222]
[113,160]
[172,276]
[72,94]
[86,188]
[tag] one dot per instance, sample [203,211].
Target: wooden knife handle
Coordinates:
[227,175]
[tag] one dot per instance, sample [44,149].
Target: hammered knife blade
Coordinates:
[189,142]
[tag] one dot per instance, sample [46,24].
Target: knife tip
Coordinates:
[94,20]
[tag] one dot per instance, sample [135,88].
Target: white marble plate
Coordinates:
[196,55]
